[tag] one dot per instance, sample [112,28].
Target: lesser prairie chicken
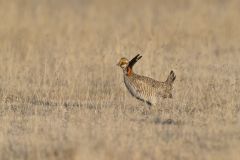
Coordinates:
[144,88]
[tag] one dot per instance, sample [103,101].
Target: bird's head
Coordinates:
[123,63]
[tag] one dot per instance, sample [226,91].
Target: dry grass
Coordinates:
[62,97]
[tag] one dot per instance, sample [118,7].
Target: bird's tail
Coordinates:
[171,78]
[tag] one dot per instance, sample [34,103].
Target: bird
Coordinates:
[145,89]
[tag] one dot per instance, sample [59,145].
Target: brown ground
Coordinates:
[62,96]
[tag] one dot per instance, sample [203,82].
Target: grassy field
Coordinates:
[63,97]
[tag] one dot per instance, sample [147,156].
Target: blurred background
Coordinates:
[73,37]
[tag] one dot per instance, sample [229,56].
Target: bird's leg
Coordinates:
[146,108]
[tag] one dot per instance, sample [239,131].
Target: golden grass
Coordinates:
[62,97]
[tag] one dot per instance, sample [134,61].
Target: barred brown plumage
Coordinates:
[144,88]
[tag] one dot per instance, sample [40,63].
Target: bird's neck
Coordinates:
[128,71]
